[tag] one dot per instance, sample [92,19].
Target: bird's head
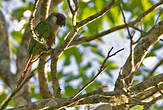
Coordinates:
[57,19]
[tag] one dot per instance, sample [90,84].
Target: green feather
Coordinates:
[42,30]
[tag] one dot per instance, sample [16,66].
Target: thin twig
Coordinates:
[157,19]
[153,70]
[131,40]
[140,30]
[102,68]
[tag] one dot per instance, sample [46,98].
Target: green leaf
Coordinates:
[17,35]
[110,66]
[18,13]
[0,3]
[69,91]
[88,12]
[72,52]
[98,52]
[137,6]
[93,86]
[14,48]
[99,4]
[71,77]
[113,16]
[35,95]
[2,96]
[138,107]
[24,1]
[84,68]
[157,46]
[94,27]
[85,78]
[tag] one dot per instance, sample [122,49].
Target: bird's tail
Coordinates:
[26,70]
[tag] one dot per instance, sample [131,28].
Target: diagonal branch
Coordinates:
[102,68]
[99,35]
[147,84]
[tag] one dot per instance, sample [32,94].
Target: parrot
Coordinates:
[46,29]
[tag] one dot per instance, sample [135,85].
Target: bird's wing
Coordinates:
[43,29]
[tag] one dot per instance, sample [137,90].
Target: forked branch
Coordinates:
[102,68]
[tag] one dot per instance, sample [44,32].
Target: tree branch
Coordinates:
[15,90]
[73,11]
[153,70]
[43,80]
[102,68]
[70,36]
[95,97]
[59,103]
[55,82]
[147,84]
[140,51]
[131,40]
[45,9]
[99,35]
[5,54]
[147,105]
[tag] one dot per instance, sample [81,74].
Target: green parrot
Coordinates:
[47,30]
